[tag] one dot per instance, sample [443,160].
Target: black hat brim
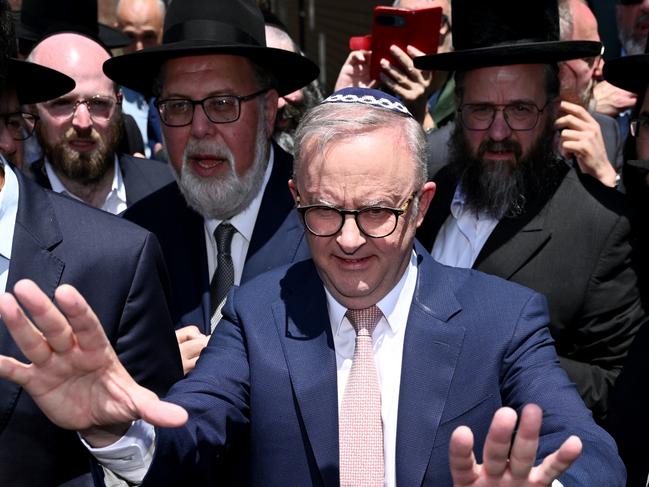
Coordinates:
[504,55]
[138,70]
[630,73]
[35,83]
[108,36]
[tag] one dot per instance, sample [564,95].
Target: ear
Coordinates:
[427,194]
[270,100]
[293,188]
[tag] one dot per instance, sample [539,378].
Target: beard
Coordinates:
[85,168]
[503,188]
[223,196]
[634,45]
[292,114]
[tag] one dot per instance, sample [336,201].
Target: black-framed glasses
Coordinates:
[99,107]
[372,221]
[20,125]
[518,116]
[640,127]
[179,112]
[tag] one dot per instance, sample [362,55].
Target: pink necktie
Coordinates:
[360,426]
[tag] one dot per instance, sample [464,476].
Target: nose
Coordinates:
[81,119]
[8,146]
[499,129]
[350,238]
[201,125]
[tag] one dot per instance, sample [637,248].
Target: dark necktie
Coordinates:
[360,426]
[223,278]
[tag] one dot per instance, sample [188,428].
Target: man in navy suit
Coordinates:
[217,98]
[262,406]
[52,240]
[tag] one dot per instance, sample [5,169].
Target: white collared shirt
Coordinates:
[8,211]
[115,202]
[244,223]
[463,234]
[387,339]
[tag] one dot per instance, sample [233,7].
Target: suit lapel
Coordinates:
[36,232]
[305,332]
[135,183]
[430,353]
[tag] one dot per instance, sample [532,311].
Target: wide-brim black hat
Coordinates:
[40,18]
[35,83]
[505,32]
[196,27]
[630,73]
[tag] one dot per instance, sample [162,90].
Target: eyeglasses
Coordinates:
[20,125]
[99,107]
[373,221]
[640,127]
[518,116]
[179,112]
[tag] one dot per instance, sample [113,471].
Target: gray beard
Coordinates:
[224,196]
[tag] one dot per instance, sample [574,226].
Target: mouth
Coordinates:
[347,263]
[82,145]
[207,164]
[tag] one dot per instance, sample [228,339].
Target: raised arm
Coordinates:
[75,376]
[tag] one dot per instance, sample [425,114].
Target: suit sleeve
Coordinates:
[146,343]
[609,320]
[531,374]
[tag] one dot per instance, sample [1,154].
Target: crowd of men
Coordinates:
[214,274]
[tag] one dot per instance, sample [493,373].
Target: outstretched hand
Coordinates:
[507,465]
[75,376]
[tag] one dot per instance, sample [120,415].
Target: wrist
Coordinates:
[100,437]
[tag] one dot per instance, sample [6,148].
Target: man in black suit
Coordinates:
[508,205]
[80,132]
[217,97]
[54,240]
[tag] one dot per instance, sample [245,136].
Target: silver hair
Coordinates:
[334,121]
[161,5]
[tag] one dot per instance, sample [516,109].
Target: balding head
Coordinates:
[79,57]
[142,21]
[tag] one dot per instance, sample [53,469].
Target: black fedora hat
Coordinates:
[630,73]
[40,18]
[504,32]
[195,27]
[35,83]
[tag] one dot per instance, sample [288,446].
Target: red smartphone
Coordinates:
[396,26]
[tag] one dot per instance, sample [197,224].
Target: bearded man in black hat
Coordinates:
[229,216]
[509,205]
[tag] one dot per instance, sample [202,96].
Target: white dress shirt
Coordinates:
[8,212]
[244,223]
[463,234]
[115,202]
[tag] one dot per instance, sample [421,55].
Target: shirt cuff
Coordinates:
[129,457]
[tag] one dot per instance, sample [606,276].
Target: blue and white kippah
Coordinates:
[368,96]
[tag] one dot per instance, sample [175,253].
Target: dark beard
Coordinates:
[285,136]
[505,188]
[83,168]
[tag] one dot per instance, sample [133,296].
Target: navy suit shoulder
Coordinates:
[263,395]
[118,269]
[143,176]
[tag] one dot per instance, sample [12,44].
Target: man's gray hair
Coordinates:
[161,5]
[329,122]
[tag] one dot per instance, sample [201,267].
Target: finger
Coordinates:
[498,441]
[464,468]
[159,413]
[558,462]
[193,348]
[15,371]
[571,122]
[403,60]
[187,333]
[572,108]
[526,442]
[414,52]
[87,329]
[570,135]
[27,337]
[393,72]
[189,365]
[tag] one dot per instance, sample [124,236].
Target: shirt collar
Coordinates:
[395,305]
[117,186]
[8,210]
[244,222]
